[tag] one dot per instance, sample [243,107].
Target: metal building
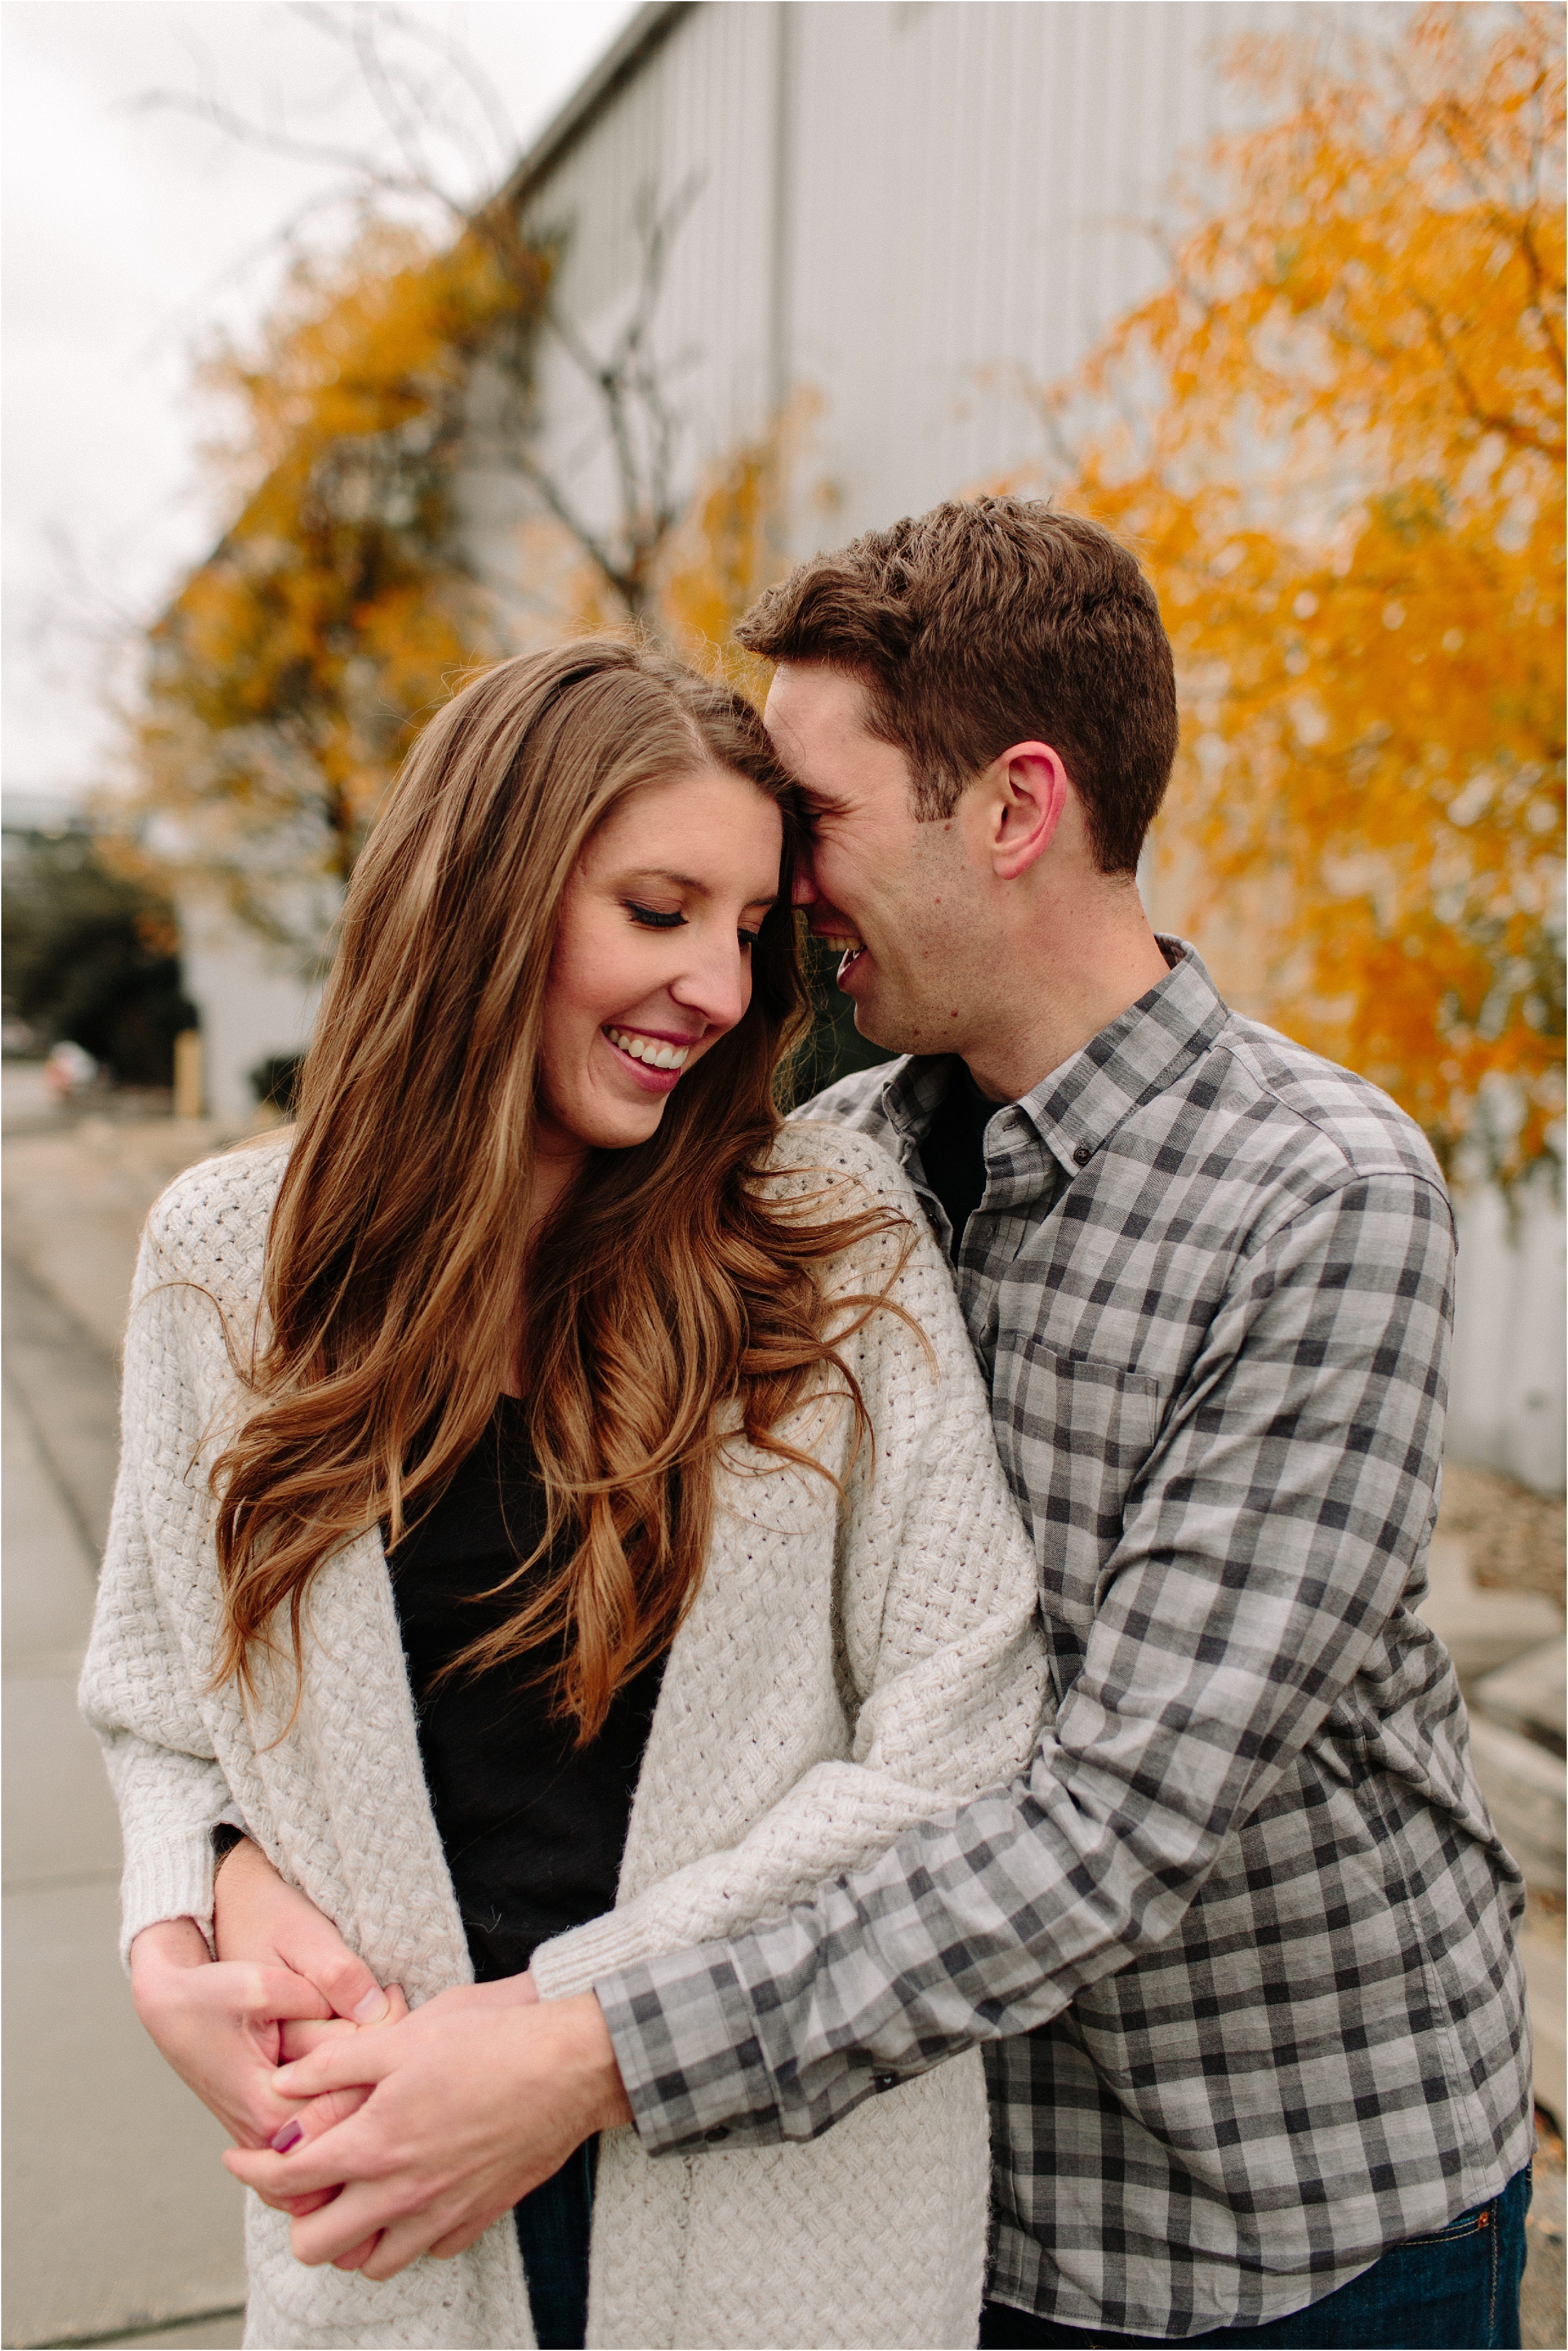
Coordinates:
[899,215]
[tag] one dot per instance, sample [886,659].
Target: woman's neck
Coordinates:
[557,1164]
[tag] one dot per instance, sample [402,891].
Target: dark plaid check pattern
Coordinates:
[1241,1948]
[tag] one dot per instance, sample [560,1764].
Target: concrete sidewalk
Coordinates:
[119,2217]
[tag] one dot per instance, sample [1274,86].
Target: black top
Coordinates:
[953,1153]
[533,1827]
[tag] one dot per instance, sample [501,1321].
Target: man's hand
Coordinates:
[303,2039]
[477,2098]
[258,1916]
[317,2115]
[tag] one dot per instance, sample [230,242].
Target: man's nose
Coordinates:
[803,890]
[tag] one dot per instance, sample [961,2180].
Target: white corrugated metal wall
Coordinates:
[697,118]
[966,185]
[1507,1395]
[900,208]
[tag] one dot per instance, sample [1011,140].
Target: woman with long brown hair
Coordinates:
[543,1537]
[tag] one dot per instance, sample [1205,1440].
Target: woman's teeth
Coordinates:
[657,1056]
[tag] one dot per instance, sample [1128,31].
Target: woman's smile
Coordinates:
[653,1062]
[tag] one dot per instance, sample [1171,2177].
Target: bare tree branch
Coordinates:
[417,119]
[459,60]
[219,116]
[642,426]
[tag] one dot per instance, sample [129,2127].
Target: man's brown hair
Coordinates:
[991,622]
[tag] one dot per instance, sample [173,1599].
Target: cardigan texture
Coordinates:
[852,1663]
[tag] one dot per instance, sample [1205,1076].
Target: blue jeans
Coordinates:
[553,2225]
[1456,2290]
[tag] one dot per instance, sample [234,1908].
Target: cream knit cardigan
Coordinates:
[849,1667]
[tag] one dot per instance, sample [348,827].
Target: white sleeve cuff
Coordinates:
[574,1961]
[172,1879]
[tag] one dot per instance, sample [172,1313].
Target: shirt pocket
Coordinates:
[1073,1435]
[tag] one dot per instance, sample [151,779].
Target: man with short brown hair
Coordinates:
[942,623]
[908,668]
[1239,1950]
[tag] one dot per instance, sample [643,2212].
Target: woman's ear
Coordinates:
[1024,793]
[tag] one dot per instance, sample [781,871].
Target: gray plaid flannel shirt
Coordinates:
[1239,1948]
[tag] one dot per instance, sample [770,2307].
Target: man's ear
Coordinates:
[1023,799]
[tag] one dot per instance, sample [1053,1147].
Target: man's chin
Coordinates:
[878,1023]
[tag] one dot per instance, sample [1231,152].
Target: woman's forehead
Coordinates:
[692,821]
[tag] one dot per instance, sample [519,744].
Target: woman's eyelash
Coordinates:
[654,920]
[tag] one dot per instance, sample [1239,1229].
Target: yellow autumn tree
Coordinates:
[729,544]
[1346,472]
[289,677]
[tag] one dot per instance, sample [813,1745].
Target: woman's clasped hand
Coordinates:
[430,2156]
[283,1983]
[220,2026]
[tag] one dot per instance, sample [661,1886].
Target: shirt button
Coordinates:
[719,2130]
[1083,1155]
[884,2081]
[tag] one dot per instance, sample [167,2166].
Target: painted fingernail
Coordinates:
[373,2006]
[290,2136]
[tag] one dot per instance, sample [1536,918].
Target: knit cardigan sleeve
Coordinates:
[934,1560]
[140,1684]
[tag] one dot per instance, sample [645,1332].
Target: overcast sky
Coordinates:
[131,238]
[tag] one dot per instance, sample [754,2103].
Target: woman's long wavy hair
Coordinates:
[665,1287]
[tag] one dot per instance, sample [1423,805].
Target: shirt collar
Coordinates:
[1076,1107]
